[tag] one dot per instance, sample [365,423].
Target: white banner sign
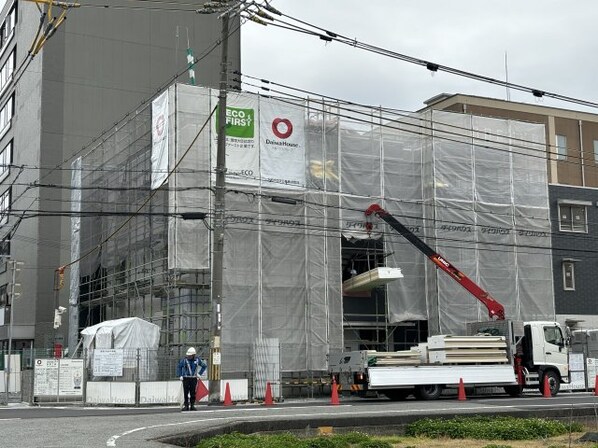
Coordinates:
[264,141]
[159,140]
[242,152]
[282,144]
[108,362]
[60,377]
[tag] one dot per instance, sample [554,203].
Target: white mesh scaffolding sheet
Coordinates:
[277,278]
[281,263]
[266,365]
[466,185]
[460,184]
[490,208]
[189,240]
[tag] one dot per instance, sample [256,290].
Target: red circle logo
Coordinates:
[282,127]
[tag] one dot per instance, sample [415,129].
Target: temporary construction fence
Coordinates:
[300,175]
[118,377]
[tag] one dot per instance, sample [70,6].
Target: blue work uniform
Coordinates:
[189,370]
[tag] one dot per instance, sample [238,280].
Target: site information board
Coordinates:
[108,362]
[59,377]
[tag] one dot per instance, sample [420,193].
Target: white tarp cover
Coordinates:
[127,333]
[130,334]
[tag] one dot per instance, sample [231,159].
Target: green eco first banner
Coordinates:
[265,142]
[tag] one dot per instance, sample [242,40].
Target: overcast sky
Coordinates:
[551,45]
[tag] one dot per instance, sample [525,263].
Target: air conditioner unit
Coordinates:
[372,279]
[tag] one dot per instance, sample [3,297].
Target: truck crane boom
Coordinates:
[495,310]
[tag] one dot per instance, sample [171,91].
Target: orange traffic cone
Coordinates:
[227,400]
[334,396]
[461,396]
[596,387]
[546,393]
[268,400]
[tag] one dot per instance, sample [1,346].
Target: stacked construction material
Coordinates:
[444,349]
[410,357]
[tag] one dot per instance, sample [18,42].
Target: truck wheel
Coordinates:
[428,392]
[554,382]
[397,394]
[514,391]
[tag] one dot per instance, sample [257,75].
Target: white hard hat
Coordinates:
[191,351]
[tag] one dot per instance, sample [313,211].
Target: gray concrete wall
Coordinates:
[100,65]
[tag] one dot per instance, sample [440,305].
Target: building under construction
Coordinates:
[300,174]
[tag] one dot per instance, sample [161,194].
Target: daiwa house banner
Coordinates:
[159,140]
[282,144]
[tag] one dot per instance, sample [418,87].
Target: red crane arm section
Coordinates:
[495,310]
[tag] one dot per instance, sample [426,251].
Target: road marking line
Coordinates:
[6,419]
[111,442]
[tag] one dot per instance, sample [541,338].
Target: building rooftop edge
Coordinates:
[456,98]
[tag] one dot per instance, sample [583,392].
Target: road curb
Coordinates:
[370,424]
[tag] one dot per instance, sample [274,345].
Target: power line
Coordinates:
[129,116]
[438,134]
[398,113]
[119,228]
[329,36]
[264,219]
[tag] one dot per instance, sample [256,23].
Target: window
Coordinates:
[5,160]
[4,295]
[7,70]
[568,276]
[573,218]
[561,147]
[596,151]
[4,253]
[553,335]
[4,207]
[8,27]
[6,115]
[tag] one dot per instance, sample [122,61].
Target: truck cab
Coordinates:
[545,352]
[537,349]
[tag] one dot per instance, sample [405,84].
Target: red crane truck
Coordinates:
[503,353]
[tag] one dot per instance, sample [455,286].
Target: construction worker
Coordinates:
[188,370]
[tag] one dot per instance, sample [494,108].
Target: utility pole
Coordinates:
[215,357]
[13,295]
[58,285]
[214,365]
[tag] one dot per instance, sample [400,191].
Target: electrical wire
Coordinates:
[129,116]
[398,113]
[149,198]
[329,36]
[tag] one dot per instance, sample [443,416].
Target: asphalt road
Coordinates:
[67,427]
